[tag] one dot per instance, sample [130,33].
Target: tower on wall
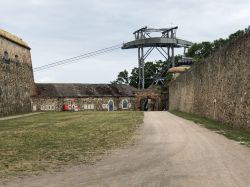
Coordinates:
[16,75]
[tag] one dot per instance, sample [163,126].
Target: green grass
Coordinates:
[225,129]
[47,141]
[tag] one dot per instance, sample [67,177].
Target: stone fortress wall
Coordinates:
[219,87]
[16,75]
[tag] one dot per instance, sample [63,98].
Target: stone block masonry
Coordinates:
[16,76]
[219,87]
[43,104]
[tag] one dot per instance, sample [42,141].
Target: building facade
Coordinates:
[83,97]
[16,75]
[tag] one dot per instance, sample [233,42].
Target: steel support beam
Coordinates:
[165,44]
[139,68]
[162,53]
[172,57]
[143,70]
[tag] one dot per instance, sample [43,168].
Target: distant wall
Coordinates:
[16,78]
[155,101]
[219,87]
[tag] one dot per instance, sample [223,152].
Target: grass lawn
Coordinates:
[47,141]
[225,129]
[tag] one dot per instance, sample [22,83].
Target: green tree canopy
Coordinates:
[152,69]
[122,78]
[199,51]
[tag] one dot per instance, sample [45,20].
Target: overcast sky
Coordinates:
[59,29]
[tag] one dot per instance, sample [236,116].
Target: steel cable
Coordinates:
[77,58]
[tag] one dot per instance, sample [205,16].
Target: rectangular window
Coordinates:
[85,107]
[92,107]
[89,106]
[42,107]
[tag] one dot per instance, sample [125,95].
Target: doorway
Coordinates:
[111,106]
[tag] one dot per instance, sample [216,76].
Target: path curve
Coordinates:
[170,151]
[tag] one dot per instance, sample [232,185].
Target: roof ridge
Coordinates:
[83,90]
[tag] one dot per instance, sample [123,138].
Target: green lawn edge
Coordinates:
[228,130]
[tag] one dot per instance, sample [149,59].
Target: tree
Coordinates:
[236,34]
[219,43]
[122,78]
[199,51]
[134,77]
[152,69]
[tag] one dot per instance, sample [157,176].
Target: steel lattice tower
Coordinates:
[165,44]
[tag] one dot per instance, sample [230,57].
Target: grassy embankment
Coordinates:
[225,129]
[47,141]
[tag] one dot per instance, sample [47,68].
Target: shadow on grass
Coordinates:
[242,136]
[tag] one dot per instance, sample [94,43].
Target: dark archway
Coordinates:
[148,104]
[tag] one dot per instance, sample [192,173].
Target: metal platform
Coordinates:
[164,44]
[157,42]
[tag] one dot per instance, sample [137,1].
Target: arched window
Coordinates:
[111,106]
[125,104]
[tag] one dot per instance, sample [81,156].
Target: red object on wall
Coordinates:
[65,107]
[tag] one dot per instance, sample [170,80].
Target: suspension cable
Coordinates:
[77,58]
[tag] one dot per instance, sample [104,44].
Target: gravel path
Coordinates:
[19,116]
[170,151]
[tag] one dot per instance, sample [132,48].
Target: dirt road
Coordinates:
[170,151]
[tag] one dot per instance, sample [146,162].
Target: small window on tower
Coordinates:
[16,59]
[6,55]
